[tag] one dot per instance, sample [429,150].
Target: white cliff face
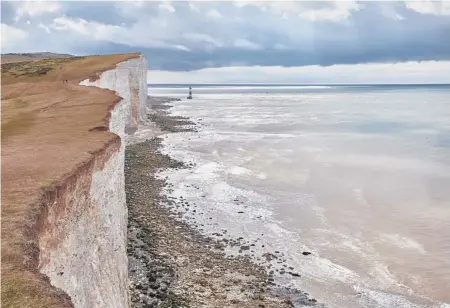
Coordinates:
[129,80]
[88,259]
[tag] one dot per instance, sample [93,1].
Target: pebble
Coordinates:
[153,275]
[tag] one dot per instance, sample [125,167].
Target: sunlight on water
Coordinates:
[359,176]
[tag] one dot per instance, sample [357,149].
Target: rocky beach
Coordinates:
[170,263]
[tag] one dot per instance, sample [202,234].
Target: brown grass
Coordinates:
[47,131]
[35,56]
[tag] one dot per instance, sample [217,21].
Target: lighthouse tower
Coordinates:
[190,93]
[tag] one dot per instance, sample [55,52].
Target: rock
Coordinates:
[306,253]
[163,287]
[154,285]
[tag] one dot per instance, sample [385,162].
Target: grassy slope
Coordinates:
[45,134]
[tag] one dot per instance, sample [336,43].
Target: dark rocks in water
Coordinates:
[306,253]
[297,297]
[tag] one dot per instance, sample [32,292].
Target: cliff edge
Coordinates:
[64,215]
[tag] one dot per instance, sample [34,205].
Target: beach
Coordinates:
[171,263]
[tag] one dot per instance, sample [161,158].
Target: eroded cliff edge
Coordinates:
[63,199]
[89,261]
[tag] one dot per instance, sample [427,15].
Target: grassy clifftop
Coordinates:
[47,121]
[34,56]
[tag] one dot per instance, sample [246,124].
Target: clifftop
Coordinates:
[33,56]
[51,127]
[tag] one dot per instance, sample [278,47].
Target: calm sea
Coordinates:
[357,175]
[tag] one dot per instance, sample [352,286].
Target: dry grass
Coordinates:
[45,134]
[35,56]
[58,69]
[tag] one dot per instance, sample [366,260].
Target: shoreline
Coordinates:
[170,263]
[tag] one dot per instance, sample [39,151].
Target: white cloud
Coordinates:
[340,10]
[389,11]
[385,73]
[112,33]
[182,47]
[201,37]
[429,7]
[89,28]
[330,10]
[246,44]
[11,37]
[35,8]
[193,7]
[213,14]
[166,6]
[42,26]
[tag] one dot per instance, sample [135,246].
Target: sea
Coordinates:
[356,175]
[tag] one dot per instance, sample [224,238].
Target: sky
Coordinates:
[246,41]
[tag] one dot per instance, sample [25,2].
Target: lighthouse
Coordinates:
[190,93]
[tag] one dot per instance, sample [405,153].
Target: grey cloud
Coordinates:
[7,12]
[100,11]
[369,34]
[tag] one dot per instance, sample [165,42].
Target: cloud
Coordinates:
[180,36]
[35,8]
[89,28]
[384,73]
[390,12]
[213,14]
[109,33]
[203,38]
[339,10]
[166,6]
[193,7]
[310,10]
[182,47]
[280,47]
[46,29]
[11,37]
[246,44]
[430,7]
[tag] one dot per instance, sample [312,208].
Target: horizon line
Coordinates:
[294,84]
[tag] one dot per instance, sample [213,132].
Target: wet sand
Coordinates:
[170,263]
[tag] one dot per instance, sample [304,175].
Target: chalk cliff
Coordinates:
[82,240]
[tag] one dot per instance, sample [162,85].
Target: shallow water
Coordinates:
[359,176]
